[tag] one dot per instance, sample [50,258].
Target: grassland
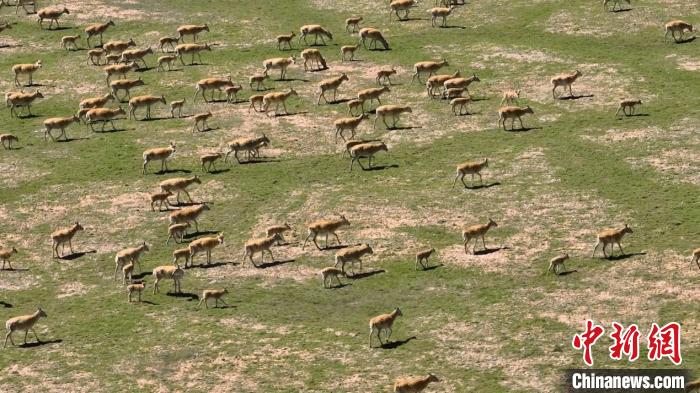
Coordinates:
[489,323]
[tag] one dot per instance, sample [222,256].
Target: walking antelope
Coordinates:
[118,46]
[59,123]
[371,94]
[423,256]
[414,384]
[381,323]
[277,98]
[129,255]
[188,214]
[279,63]
[325,227]
[556,263]
[366,150]
[315,30]
[208,161]
[103,115]
[513,112]
[510,97]
[329,273]
[26,69]
[354,23]
[440,12]
[348,124]
[97,29]
[348,50]
[330,84]
[192,30]
[205,244]
[201,119]
[179,185]
[677,29]
[258,80]
[52,14]
[23,322]
[285,41]
[140,101]
[136,55]
[212,84]
[429,67]
[474,232]
[161,198]
[192,50]
[60,237]
[400,5]
[168,41]
[278,229]
[215,294]
[626,105]
[564,80]
[68,42]
[459,82]
[119,69]
[21,100]
[248,144]
[158,154]
[470,168]
[260,245]
[7,139]
[460,102]
[393,111]
[176,106]
[611,236]
[5,254]
[126,85]
[352,255]
[385,75]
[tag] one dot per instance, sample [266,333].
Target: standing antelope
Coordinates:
[7,139]
[611,236]
[278,230]
[192,50]
[383,322]
[429,67]
[212,84]
[513,112]
[440,12]
[354,23]
[414,384]
[260,245]
[285,41]
[129,255]
[95,29]
[5,254]
[474,232]
[23,322]
[564,80]
[315,30]
[329,273]
[330,84]
[179,185]
[158,154]
[374,35]
[279,63]
[160,198]
[626,105]
[176,106]
[60,237]
[215,294]
[677,26]
[188,214]
[168,272]
[400,5]
[21,100]
[59,123]
[393,111]
[325,227]
[141,101]
[366,150]
[177,232]
[205,244]
[470,168]
[103,115]
[137,287]
[232,93]
[192,30]
[52,14]
[385,75]
[25,69]
[348,124]
[277,98]
[313,56]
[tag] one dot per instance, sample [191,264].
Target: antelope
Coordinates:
[59,123]
[348,124]
[119,69]
[177,106]
[178,185]
[136,55]
[348,49]
[5,254]
[455,83]
[470,168]
[25,69]
[113,59]
[248,144]
[205,244]
[279,63]
[201,119]
[277,98]
[693,386]
[385,74]
[21,100]
[95,29]
[430,67]
[510,97]
[232,93]
[354,104]
[423,256]
[455,92]
[374,35]
[352,254]
[393,111]
[94,56]
[284,41]
[366,150]
[313,56]
[315,30]
[513,112]
[188,214]
[611,236]
[23,4]
[440,12]
[177,232]
[260,245]
[167,41]
[23,322]
[158,154]
[129,255]
[168,272]
[209,160]
[371,94]
[8,138]
[192,30]
[401,5]
[696,258]
[325,227]
[437,82]
[628,104]
[126,85]
[213,84]
[69,40]
[118,46]
[329,273]
[556,263]
[414,384]
[353,22]
[258,79]
[460,102]
[677,26]
[331,84]
[160,198]
[215,294]
[141,101]
[60,237]
[127,271]
[191,49]
[52,14]
[103,115]
[564,80]
[181,253]
[383,322]
[474,232]
[169,60]
[138,287]
[96,102]
[350,143]
[278,230]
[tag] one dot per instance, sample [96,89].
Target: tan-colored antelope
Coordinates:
[23,323]
[59,123]
[616,3]
[232,93]
[137,287]
[474,232]
[628,105]
[21,100]
[455,92]
[258,80]
[127,272]
[205,244]
[696,258]
[355,104]
[119,69]
[118,46]
[557,263]
[179,185]
[192,30]
[440,12]
[329,273]
[249,145]
[470,168]
[94,56]
[260,245]
[208,161]
[192,50]
[463,83]
[26,69]
[391,111]
[677,29]
[436,83]
[168,272]
[512,113]
[136,55]
[62,236]
[158,154]
[211,84]
[5,254]
[167,41]
[414,384]
[423,256]
[52,14]
[385,75]
[189,214]
[113,59]
[346,50]
[277,98]
[564,80]
[279,63]
[216,294]
[315,30]
[371,94]
[168,60]
[129,255]
[177,232]
[284,41]
[313,56]
[96,102]
[460,103]
[126,85]
[144,101]
[330,84]
[396,6]
[176,106]
[180,254]
[510,97]
[429,67]
[384,323]
[103,115]
[366,150]
[611,236]
[161,198]
[200,122]
[348,124]
[278,230]
[325,227]
[97,29]
[374,36]
[68,42]
[351,255]
[354,23]
[7,139]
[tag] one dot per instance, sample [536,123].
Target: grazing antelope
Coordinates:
[205,244]
[696,258]
[23,4]
[135,55]
[97,29]
[611,236]
[189,214]
[250,145]
[126,85]
[325,227]
[470,168]
[353,23]
[94,56]
[137,287]
[374,36]
[329,273]
[26,69]
[346,50]
[366,150]
[168,272]
[177,232]
[423,256]
[440,12]
[315,30]
[208,161]
[460,102]
[158,154]
[556,263]
[7,139]
[474,232]
[59,123]
[5,254]
[626,105]
[211,84]
[141,101]
[331,84]
[371,94]
[277,98]
[564,80]
[463,83]
[285,41]
[181,253]
[103,115]
[352,255]
[392,111]
[168,41]
[385,75]
[348,124]
[160,198]
[119,69]
[232,93]
[401,5]
[23,323]
[60,237]
[260,245]
[21,100]
[177,106]
[192,30]
[200,119]
[512,113]
[313,56]
[436,83]
[68,42]
[381,323]
[279,63]
[215,294]
[677,27]
[414,384]
[258,80]
[52,14]
[429,67]
[278,230]
[192,50]
[616,3]
[179,185]
[118,46]
[510,97]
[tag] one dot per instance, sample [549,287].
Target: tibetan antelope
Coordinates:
[68,42]
[279,63]
[470,168]
[429,67]
[315,30]
[346,50]
[118,46]
[277,98]
[331,84]
[103,115]
[348,124]
[462,103]
[26,69]
[351,255]
[158,154]
[626,105]
[436,83]
[677,29]
[136,55]
[21,100]
[285,41]
[396,6]
[144,101]
[325,227]
[200,119]
[97,29]
[211,84]
[414,384]
[126,85]
[52,14]
[206,245]
[260,245]
[392,111]
[60,237]
[385,75]
[366,150]
[423,256]
[564,80]
[258,80]
[59,123]
[374,36]
[611,236]
[352,24]
[329,273]
[474,232]
[216,294]
[192,30]
[176,106]
[7,139]
[384,323]
[23,322]
[167,41]
[5,254]
[179,185]
[512,113]
[208,161]
[168,272]
[510,97]
[192,50]
[129,255]
[440,12]
[371,94]
[161,198]
[249,145]
[557,263]
[189,214]
[278,229]
[118,69]
[315,58]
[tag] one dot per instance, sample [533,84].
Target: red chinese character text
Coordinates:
[665,342]
[587,339]
[625,342]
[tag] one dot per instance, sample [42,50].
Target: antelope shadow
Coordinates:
[396,344]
